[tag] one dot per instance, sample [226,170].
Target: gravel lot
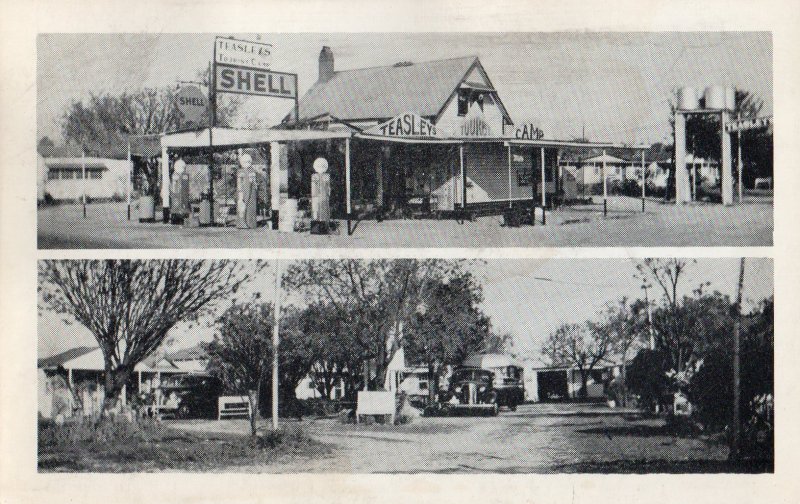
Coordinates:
[536,438]
[747,224]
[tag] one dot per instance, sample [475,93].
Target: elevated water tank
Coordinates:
[715,97]
[730,98]
[687,98]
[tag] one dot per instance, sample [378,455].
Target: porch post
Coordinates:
[725,161]
[69,378]
[739,162]
[463,180]
[509,175]
[644,180]
[165,183]
[605,186]
[694,179]
[347,181]
[128,180]
[544,188]
[681,175]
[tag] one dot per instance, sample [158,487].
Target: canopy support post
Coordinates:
[544,188]
[165,184]
[605,186]
[347,184]
[128,180]
[644,180]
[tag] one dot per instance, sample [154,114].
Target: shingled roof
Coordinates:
[386,91]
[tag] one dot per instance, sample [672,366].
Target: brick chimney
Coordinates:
[325,64]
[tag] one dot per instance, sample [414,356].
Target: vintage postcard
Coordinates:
[398,251]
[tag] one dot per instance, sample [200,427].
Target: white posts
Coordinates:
[276,306]
[544,187]
[739,162]
[347,181]
[605,186]
[83,180]
[165,182]
[644,179]
[682,188]
[509,175]
[727,172]
[128,182]
[463,180]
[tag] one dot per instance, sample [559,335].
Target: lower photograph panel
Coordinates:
[406,366]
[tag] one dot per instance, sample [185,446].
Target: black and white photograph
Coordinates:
[386,140]
[501,366]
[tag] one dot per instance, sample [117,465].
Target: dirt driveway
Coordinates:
[746,224]
[534,439]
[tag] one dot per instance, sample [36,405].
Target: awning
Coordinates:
[229,137]
[569,143]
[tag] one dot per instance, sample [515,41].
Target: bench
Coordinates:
[233,406]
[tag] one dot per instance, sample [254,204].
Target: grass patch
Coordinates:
[657,466]
[113,446]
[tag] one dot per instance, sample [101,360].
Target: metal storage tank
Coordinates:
[687,98]
[730,98]
[715,97]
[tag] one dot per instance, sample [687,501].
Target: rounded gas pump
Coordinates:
[320,198]
[246,194]
[179,193]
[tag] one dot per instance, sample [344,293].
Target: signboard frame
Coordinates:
[218,38]
[250,69]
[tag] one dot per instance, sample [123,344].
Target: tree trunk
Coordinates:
[115,380]
[584,392]
[253,396]
[431,386]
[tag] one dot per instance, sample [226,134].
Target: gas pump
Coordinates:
[179,193]
[320,198]
[246,194]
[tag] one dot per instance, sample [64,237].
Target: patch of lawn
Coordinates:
[147,446]
[658,466]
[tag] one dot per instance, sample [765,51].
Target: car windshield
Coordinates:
[472,375]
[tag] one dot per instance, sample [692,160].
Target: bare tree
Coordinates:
[579,345]
[666,273]
[130,306]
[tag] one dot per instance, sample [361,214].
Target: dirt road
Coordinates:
[534,439]
[747,224]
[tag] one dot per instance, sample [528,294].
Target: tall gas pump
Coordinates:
[320,198]
[246,194]
[180,206]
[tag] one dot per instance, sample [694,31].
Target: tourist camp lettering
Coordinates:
[529,132]
[405,125]
[475,127]
[243,53]
[255,82]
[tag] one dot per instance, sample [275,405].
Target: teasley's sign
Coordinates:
[407,125]
[242,53]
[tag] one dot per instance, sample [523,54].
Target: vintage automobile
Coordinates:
[194,395]
[485,383]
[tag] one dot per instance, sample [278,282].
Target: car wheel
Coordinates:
[183,412]
[512,405]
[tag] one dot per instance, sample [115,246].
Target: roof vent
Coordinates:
[402,64]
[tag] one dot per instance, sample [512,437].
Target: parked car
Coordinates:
[196,394]
[485,383]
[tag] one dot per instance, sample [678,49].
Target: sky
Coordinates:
[615,85]
[525,297]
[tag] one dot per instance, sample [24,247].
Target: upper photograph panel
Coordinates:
[404,140]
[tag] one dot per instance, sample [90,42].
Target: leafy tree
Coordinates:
[130,306]
[241,355]
[646,377]
[102,124]
[46,146]
[579,345]
[450,327]
[625,325]
[380,297]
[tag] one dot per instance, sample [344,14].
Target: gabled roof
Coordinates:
[57,360]
[196,352]
[386,91]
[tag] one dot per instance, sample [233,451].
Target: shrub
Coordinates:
[646,377]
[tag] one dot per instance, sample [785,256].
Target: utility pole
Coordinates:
[276,305]
[737,323]
[739,162]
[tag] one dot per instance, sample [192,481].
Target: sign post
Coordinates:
[211,120]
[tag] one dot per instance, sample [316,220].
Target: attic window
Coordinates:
[403,64]
[463,102]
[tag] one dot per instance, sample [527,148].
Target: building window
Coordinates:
[423,385]
[67,174]
[311,385]
[53,174]
[463,102]
[596,170]
[96,174]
